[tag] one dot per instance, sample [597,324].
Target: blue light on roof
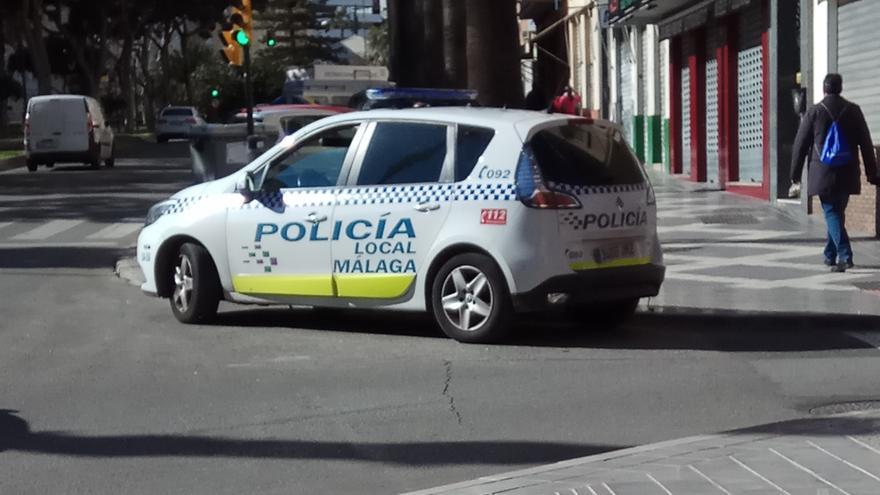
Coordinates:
[422,94]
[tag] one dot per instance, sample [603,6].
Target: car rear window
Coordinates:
[585,155]
[469,147]
[177,112]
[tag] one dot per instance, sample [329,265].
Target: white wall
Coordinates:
[822,29]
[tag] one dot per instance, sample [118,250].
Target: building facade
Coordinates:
[705,89]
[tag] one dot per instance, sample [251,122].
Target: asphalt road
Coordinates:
[104,392]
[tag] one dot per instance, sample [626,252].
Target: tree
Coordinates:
[493,52]
[300,28]
[378,44]
[455,42]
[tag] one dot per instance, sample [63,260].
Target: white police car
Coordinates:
[469,213]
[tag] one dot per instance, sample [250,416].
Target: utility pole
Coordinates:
[249,94]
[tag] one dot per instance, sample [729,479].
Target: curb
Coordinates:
[605,456]
[128,270]
[12,163]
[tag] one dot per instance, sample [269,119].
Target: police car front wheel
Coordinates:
[470,300]
[195,291]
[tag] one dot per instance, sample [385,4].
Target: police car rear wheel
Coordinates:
[470,300]
[196,291]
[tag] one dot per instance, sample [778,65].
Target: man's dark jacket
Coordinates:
[825,180]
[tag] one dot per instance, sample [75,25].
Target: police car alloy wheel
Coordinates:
[195,291]
[470,299]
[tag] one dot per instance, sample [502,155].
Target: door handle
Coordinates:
[315,218]
[426,207]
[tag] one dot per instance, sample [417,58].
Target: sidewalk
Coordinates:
[819,456]
[729,254]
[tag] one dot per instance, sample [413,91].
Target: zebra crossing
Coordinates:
[68,233]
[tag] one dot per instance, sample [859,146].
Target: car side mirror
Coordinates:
[248,186]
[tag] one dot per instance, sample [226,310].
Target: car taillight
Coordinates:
[27,124]
[90,123]
[531,189]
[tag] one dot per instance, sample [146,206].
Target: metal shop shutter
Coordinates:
[711,107]
[664,91]
[750,95]
[627,107]
[687,49]
[858,58]
[643,88]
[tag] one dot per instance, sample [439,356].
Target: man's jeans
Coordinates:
[837,248]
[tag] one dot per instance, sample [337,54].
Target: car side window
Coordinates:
[404,153]
[317,162]
[470,144]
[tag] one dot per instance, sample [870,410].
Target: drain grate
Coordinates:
[846,407]
[730,219]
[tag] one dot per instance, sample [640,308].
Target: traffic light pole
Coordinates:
[249,93]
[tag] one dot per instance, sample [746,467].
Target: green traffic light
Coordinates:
[215,93]
[271,42]
[242,38]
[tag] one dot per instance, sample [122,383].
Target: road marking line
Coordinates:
[658,483]
[115,231]
[593,492]
[857,468]
[811,473]
[759,475]
[48,230]
[710,480]
[5,224]
[863,444]
[27,245]
[608,488]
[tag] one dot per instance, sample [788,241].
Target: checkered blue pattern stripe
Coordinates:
[587,190]
[370,195]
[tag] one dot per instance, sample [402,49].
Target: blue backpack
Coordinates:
[835,152]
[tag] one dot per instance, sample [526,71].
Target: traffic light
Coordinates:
[215,93]
[236,32]
[270,39]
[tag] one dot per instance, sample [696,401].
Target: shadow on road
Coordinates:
[685,329]
[15,435]
[62,257]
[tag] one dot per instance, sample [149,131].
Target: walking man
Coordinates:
[830,133]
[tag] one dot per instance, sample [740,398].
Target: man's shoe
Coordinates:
[829,262]
[839,268]
[849,264]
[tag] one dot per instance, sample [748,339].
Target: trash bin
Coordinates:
[218,150]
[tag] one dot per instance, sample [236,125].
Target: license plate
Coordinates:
[613,252]
[46,144]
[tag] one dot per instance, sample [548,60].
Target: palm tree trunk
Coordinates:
[493,52]
[455,42]
[432,55]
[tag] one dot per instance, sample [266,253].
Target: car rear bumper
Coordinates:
[591,286]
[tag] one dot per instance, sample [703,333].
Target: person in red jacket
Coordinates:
[568,102]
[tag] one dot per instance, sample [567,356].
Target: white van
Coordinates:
[66,128]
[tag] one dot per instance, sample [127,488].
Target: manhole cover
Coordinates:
[845,407]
